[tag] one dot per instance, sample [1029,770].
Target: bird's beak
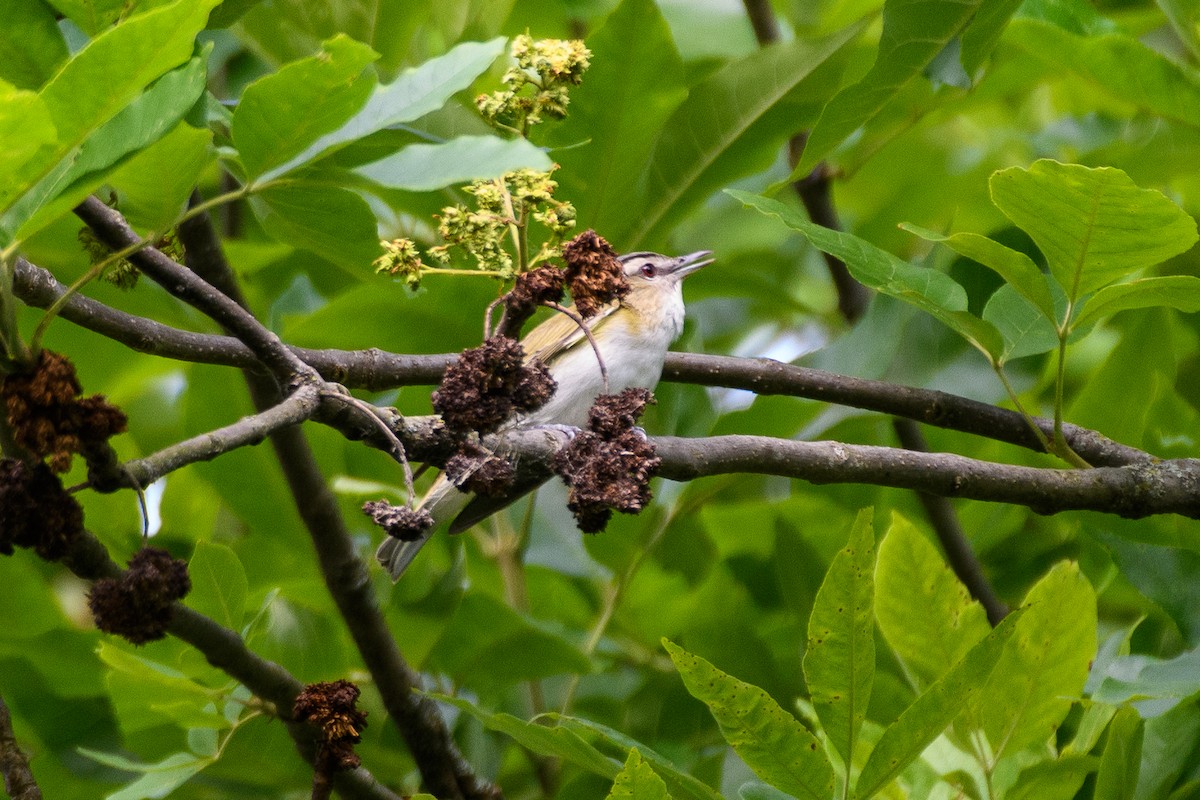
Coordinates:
[685,265]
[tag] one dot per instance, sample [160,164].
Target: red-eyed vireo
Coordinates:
[632,336]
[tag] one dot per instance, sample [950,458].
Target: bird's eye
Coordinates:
[649,270]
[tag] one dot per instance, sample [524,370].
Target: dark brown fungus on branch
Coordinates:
[594,274]
[137,605]
[35,510]
[50,419]
[474,469]
[608,467]
[531,290]
[401,522]
[488,384]
[332,708]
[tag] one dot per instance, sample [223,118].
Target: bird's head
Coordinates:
[651,270]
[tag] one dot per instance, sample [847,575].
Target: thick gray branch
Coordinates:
[377,370]
[1134,490]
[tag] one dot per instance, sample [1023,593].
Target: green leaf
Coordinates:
[31,45]
[336,224]
[1043,667]
[1139,677]
[681,784]
[839,665]
[155,184]
[931,291]
[981,36]
[411,96]
[498,647]
[26,132]
[771,741]
[1025,329]
[634,83]
[1118,775]
[123,60]
[1184,16]
[158,779]
[143,122]
[1093,225]
[1115,405]
[750,105]
[1118,64]
[165,680]
[922,722]
[1015,267]
[1165,750]
[914,33]
[1181,292]
[913,582]
[282,114]
[218,584]
[92,16]
[425,167]
[1060,779]
[637,781]
[544,741]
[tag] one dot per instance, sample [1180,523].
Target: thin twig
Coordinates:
[587,331]
[397,449]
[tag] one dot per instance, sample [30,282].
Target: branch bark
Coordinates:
[14,766]
[378,370]
[227,651]
[443,769]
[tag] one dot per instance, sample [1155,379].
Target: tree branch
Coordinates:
[112,229]
[377,370]
[1132,491]
[443,769]
[227,651]
[18,778]
[252,430]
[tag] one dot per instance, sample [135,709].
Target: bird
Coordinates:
[632,335]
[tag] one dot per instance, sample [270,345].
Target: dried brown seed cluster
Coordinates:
[487,384]
[473,469]
[405,524]
[531,290]
[594,274]
[35,510]
[332,707]
[137,605]
[48,416]
[609,465]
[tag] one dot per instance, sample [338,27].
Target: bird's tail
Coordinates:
[443,501]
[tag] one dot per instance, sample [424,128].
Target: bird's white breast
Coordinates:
[633,353]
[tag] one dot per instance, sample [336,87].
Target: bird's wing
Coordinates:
[560,333]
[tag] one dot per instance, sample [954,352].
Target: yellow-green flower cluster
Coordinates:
[401,259]
[537,86]
[503,209]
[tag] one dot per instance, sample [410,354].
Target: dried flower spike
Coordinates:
[488,384]
[333,708]
[35,510]
[49,418]
[608,467]
[405,524]
[137,605]
[594,274]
